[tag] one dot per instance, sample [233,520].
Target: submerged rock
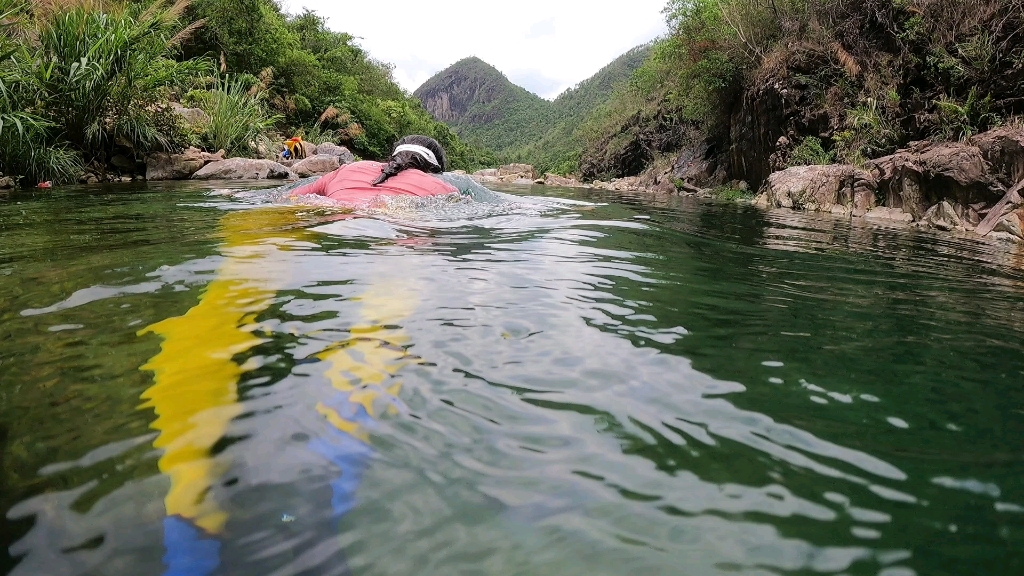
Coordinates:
[832,188]
[242,169]
[319,164]
[892,214]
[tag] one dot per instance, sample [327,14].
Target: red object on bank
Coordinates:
[46,184]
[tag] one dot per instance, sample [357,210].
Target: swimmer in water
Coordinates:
[409,173]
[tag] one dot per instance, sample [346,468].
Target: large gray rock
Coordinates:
[487,173]
[927,173]
[319,164]
[6,182]
[344,155]
[891,214]
[556,180]
[195,117]
[1012,225]
[1003,148]
[164,166]
[943,216]
[242,169]
[518,170]
[832,188]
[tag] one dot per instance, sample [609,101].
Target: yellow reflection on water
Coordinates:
[196,374]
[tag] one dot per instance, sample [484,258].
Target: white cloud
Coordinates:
[542,28]
[552,43]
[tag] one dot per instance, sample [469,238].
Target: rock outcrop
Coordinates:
[318,164]
[524,171]
[968,186]
[242,169]
[344,155]
[1003,148]
[509,173]
[928,172]
[165,166]
[833,188]
[556,180]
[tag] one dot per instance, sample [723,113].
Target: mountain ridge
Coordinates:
[483,106]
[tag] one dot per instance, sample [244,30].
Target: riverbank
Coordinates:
[973,186]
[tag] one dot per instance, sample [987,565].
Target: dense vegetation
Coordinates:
[483,106]
[839,79]
[88,82]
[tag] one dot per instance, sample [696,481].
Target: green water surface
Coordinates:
[639,385]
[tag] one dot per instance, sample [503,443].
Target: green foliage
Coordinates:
[485,107]
[880,73]
[559,149]
[868,134]
[314,70]
[82,79]
[961,120]
[239,118]
[811,152]
[78,81]
[731,193]
[28,146]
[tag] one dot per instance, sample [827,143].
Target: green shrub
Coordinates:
[961,120]
[869,134]
[239,118]
[811,152]
[731,193]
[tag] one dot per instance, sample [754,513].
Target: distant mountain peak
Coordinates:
[481,104]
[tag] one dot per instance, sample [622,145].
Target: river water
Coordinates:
[555,382]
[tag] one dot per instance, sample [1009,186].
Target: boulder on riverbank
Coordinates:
[165,166]
[314,165]
[343,154]
[929,172]
[520,171]
[509,173]
[243,169]
[833,188]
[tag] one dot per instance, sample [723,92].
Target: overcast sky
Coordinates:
[545,46]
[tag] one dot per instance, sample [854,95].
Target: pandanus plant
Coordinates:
[27,147]
[105,67]
[91,74]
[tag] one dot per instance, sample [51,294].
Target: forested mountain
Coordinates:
[483,106]
[560,147]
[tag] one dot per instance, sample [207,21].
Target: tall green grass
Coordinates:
[239,118]
[79,78]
